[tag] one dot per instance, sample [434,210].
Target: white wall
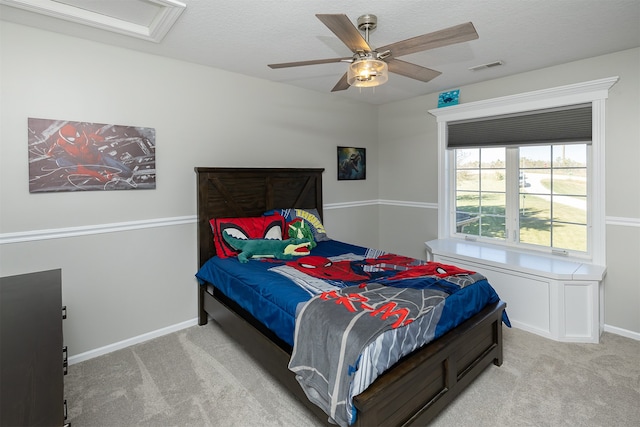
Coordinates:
[408,145]
[122,284]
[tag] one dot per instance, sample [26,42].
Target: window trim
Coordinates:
[594,92]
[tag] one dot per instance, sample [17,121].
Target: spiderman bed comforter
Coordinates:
[345,338]
[356,312]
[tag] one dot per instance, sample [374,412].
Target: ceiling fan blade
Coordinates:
[456,34]
[342,84]
[413,71]
[346,31]
[312,62]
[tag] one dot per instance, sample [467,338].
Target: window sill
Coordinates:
[547,266]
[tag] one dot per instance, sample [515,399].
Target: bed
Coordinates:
[416,388]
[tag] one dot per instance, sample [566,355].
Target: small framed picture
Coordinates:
[352,163]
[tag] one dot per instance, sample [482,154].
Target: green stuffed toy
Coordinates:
[301,230]
[268,248]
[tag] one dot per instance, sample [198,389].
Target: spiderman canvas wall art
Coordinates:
[80,156]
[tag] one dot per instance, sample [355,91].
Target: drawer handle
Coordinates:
[65,359]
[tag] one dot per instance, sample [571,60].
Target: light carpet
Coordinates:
[200,377]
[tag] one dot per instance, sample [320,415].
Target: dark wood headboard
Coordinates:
[249,192]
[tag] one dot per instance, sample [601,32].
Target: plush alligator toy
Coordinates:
[268,248]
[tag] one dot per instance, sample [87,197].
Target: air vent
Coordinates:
[487,65]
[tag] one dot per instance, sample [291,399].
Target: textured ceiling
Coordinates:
[243,36]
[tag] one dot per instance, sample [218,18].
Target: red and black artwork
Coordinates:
[81,156]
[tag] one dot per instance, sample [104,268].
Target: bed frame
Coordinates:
[416,388]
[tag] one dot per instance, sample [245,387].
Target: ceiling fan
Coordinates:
[369,66]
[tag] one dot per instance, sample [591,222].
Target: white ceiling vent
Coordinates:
[487,65]
[146,19]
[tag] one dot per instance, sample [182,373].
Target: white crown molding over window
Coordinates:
[578,93]
[145,19]
[594,92]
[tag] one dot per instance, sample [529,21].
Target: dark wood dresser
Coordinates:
[32,357]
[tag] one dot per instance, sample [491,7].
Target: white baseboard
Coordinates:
[131,341]
[623,332]
[611,329]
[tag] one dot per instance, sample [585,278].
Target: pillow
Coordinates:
[262,227]
[311,216]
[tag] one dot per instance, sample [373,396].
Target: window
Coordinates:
[553,197]
[481,192]
[526,170]
[540,200]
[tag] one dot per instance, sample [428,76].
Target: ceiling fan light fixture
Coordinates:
[368,67]
[367,72]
